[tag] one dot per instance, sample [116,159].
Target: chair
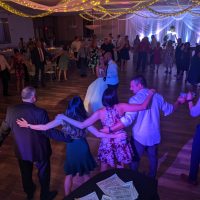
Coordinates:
[50,70]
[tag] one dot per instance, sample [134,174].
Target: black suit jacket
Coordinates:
[35,58]
[29,145]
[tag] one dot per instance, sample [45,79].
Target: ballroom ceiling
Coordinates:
[40,8]
[52,3]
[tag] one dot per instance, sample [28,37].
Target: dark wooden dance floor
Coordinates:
[174,150]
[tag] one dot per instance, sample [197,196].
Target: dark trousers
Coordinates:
[26,168]
[82,63]
[178,66]
[195,155]
[152,153]
[37,70]
[152,59]
[113,86]
[26,74]
[5,80]
[142,60]
[119,57]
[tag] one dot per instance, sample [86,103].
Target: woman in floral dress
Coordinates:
[114,152]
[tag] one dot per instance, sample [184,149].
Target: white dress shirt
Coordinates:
[146,129]
[3,63]
[112,73]
[41,54]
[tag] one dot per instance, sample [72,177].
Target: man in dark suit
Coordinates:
[39,60]
[31,147]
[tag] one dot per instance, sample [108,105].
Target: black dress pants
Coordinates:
[26,168]
[5,80]
[142,60]
[37,69]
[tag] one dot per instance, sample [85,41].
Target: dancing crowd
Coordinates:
[32,129]
[84,54]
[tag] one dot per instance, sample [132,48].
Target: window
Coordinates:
[4,31]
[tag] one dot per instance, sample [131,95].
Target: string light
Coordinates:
[103,13]
[171,14]
[16,12]
[64,6]
[122,11]
[95,18]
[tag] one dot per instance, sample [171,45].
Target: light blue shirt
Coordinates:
[146,129]
[112,73]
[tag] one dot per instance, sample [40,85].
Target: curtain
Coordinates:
[187,26]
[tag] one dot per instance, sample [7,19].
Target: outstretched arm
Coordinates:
[180,100]
[99,134]
[88,122]
[137,107]
[40,127]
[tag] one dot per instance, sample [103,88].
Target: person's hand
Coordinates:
[121,135]
[151,91]
[181,99]
[189,96]
[22,123]
[59,116]
[105,129]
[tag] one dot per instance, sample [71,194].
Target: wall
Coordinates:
[19,27]
[68,27]
[114,26]
[62,28]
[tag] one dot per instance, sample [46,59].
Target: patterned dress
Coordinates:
[168,57]
[93,58]
[114,151]
[19,69]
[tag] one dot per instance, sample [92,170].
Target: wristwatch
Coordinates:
[109,128]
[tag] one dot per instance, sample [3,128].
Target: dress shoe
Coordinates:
[186,179]
[51,195]
[31,195]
